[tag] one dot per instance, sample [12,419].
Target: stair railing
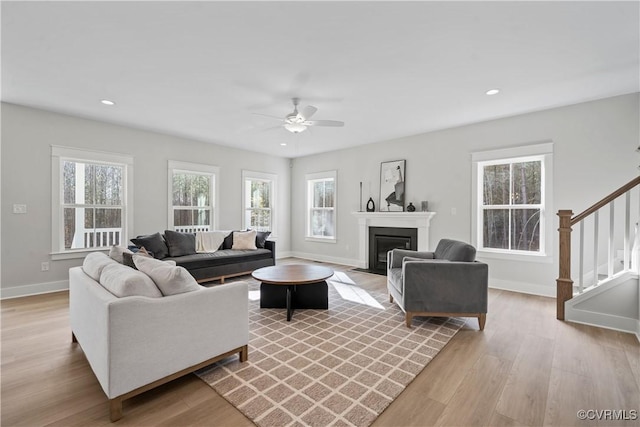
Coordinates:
[564,283]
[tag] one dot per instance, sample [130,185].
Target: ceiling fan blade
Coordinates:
[267,115]
[334,123]
[308,111]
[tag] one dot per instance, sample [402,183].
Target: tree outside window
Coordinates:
[258,204]
[92,205]
[512,205]
[321,207]
[192,201]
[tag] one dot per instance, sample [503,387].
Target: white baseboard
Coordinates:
[523,287]
[284,254]
[325,258]
[601,320]
[33,289]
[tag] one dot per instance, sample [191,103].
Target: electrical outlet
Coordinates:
[44,266]
[19,209]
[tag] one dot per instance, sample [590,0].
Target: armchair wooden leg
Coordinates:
[390,298]
[73,337]
[482,318]
[408,318]
[244,354]
[115,409]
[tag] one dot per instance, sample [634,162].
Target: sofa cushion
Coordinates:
[261,238]
[116,252]
[454,250]
[221,257]
[244,240]
[395,278]
[94,263]
[123,281]
[180,244]
[153,243]
[170,279]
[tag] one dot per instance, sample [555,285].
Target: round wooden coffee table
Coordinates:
[293,286]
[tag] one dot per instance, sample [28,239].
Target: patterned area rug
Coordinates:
[340,367]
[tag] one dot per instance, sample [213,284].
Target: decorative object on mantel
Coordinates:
[411,208]
[392,186]
[424,206]
[360,197]
[341,366]
[371,206]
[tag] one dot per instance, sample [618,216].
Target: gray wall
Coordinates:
[594,154]
[27,135]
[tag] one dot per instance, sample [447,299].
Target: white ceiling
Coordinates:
[201,70]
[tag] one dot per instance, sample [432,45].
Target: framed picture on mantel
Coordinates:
[392,186]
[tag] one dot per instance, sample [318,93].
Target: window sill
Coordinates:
[321,239]
[75,254]
[542,259]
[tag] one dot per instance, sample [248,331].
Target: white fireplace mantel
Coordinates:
[419,220]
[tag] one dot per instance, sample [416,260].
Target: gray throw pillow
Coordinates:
[154,243]
[180,243]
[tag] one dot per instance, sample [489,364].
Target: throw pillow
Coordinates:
[122,281]
[228,241]
[261,237]
[180,243]
[128,258]
[116,253]
[244,240]
[94,263]
[154,243]
[170,279]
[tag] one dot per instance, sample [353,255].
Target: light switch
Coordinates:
[19,209]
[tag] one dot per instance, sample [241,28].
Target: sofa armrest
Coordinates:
[445,286]
[395,256]
[271,245]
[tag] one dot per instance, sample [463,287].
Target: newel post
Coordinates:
[564,283]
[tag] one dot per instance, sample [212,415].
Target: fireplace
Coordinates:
[384,239]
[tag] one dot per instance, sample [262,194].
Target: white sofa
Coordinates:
[135,343]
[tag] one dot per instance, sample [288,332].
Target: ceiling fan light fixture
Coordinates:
[295,127]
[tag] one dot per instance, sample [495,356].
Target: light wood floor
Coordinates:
[526,368]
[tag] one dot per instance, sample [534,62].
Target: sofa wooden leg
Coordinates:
[115,409]
[482,318]
[408,317]
[244,353]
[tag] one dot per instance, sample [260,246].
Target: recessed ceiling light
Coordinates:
[492,91]
[107,102]
[284,144]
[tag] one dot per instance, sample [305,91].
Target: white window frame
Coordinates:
[61,154]
[194,168]
[310,179]
[272,179]
[542,152]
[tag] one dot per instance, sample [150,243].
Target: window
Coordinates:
[90,201]
[321,206]
[512,200]
[258,201]
[192,192]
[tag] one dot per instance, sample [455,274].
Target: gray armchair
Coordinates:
[445,283]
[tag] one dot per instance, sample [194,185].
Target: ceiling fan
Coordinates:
[298,121]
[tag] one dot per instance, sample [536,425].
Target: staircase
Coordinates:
[606,292]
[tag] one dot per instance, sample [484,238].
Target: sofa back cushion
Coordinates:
[94,263]
[123,281]
[154,243]
[180,244]
[454,250]
[170,279]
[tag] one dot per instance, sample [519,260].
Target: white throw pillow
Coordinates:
[170,279]
[94,263]
[115,253]
[244,240]
[124,281]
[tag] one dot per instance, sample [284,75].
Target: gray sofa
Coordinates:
[446,282]
[205,267]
